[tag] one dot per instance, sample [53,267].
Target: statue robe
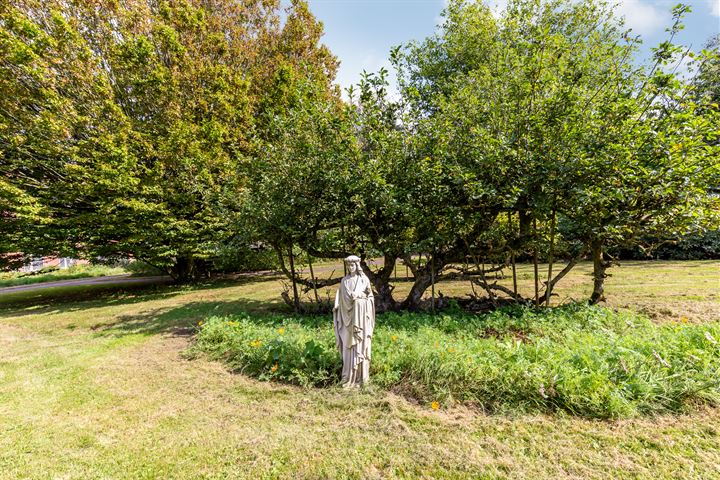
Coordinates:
[354,322]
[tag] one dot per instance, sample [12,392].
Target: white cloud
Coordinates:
[684,67]
[715,7]
[497,6]
[644,19]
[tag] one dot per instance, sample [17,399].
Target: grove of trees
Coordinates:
[172,131]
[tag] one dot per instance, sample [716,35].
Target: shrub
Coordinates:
[244,258]
[588,361]
[140,268]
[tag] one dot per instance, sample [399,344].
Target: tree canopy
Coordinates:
[167,131]
[134,124]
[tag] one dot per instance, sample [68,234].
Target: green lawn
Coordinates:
[96,384]
[12,279]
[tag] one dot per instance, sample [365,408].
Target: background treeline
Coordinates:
[198,135]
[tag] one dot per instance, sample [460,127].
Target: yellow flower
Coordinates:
[393,338]
[256,343]
[684,320]
[281,331]
[435,405]
[274,368]
[451,350]
[200,323]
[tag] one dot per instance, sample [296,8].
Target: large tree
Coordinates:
[542,114]
[134,123]
[515,134]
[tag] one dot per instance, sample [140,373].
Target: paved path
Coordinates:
[111,279]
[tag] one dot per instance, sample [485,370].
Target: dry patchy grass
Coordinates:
[99,388]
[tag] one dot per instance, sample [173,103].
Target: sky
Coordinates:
[362,32]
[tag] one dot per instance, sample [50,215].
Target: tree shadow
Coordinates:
[82,297]
[183,320]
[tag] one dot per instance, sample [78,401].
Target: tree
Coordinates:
[134,123]
[707,79]
[514,135]
[543,115]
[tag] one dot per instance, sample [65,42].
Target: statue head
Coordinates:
[353,265]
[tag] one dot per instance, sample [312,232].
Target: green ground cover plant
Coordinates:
[588,361]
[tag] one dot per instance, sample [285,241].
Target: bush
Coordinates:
[140,268]
[704,246]
[244,258]
[588,361]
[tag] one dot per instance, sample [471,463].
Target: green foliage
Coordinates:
[141,269]
[707,80]
[587,361]
[132,123]
[242,258]
[702,246]
[175,132]
[542,112]
[273,347]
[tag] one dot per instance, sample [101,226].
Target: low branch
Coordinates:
[551,285]
[407,259]
[479,272]
[308,284]
[494,286]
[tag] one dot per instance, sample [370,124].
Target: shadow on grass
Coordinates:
[183,320]
[76,298]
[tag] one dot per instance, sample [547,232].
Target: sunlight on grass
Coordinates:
[94,383]
[12,279]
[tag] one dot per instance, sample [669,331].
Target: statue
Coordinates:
[354,321]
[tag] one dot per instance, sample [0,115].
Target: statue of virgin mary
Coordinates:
[354,321]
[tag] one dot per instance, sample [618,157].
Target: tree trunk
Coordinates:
[384,301]
[183,270]
[432,281]
[312,277]
[423,280]
[512,254]
[600,266]
[535,264]
[551,284]
[296,297]
[422,283]
[551,259]
[382,287]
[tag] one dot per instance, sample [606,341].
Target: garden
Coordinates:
[177,382]
[527,196]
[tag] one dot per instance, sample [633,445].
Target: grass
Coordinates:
[13,279]
[96,384]
[588,361]
[663,290]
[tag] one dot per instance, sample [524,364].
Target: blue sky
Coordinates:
[361,32]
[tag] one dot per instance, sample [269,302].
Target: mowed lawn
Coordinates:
[94,384]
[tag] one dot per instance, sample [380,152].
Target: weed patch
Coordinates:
[588,361]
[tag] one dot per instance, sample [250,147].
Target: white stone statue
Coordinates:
[354,321]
